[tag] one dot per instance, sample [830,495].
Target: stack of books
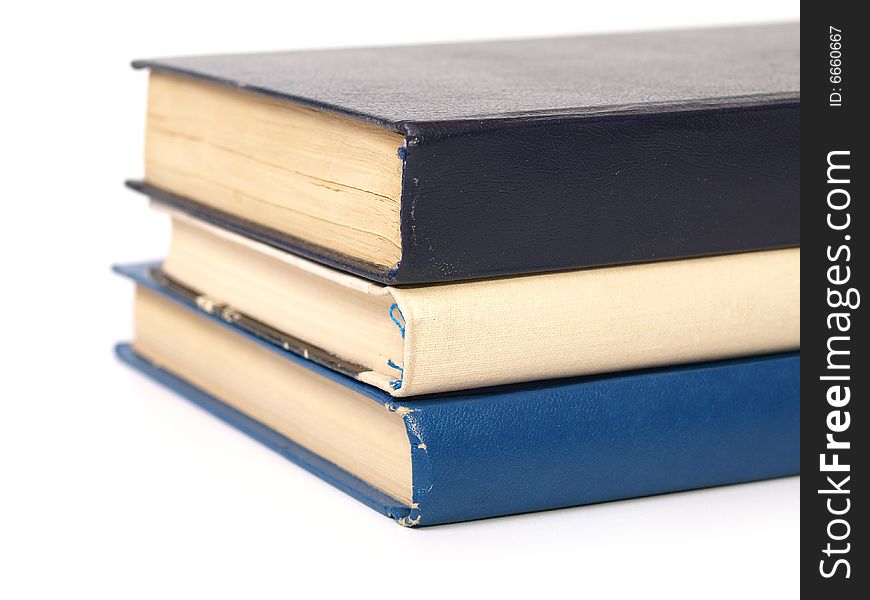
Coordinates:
[469,280]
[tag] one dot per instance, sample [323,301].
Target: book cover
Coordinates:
[528,447]
[551,154]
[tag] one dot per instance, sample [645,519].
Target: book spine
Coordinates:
[592,321]
[551,194]
[557,445]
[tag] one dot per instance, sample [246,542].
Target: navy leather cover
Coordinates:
[535,155]
[568,442]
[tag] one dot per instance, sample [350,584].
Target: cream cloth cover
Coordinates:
[483,333]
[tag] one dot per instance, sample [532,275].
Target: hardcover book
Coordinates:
[438,163]
[476,454]
[419,340]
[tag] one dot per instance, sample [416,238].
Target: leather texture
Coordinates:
[560,194]
[406,87]
[580,441]
[563,153]
[560,443]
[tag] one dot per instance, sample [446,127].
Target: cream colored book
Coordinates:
[418,340]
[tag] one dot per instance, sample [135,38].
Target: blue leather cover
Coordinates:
[568,442]
[564,153]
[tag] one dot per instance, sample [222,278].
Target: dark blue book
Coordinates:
[483,453]
[447,162]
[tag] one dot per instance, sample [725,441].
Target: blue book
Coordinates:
[483,453]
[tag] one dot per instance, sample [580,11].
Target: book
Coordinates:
[419,340]
[426,164]
[477,454]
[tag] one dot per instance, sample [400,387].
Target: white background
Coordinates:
[111,487]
